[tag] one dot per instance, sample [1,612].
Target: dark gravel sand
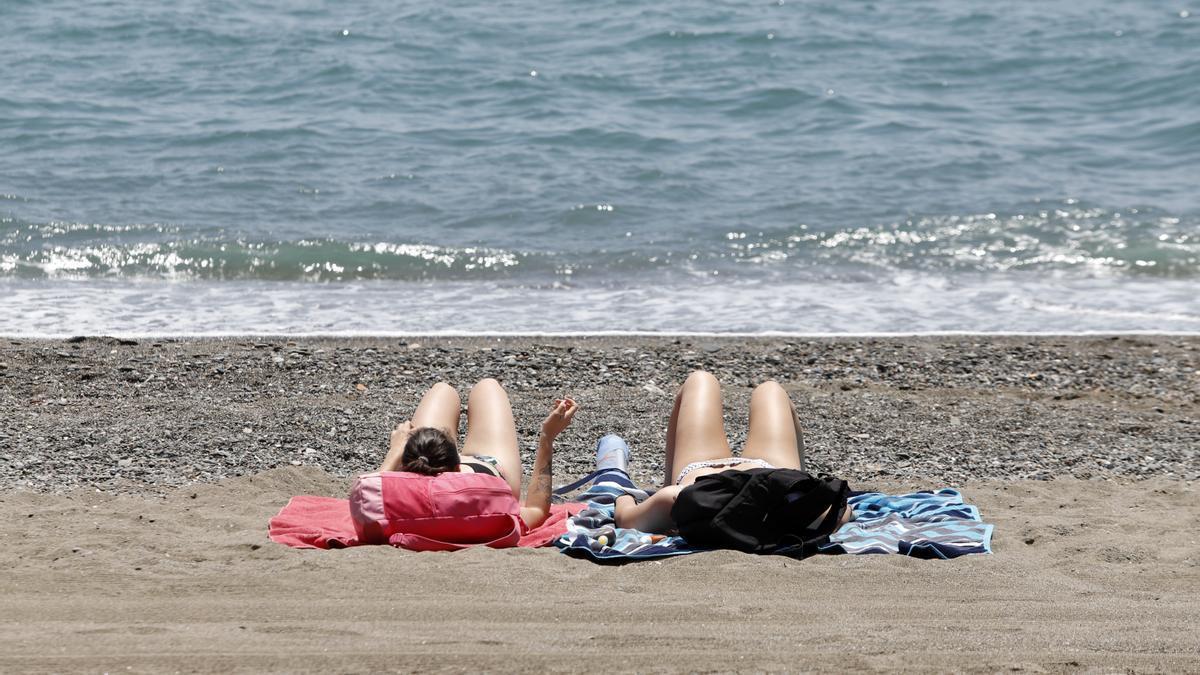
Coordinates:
[138,416]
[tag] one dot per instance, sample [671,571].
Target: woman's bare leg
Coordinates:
[669,462]
[696,431]
[439,408]
[491,430]
[774,431]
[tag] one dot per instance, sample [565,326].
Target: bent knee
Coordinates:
[701,378]
[486,384]
[769,389]
[769,386]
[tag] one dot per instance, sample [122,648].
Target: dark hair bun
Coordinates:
[429,451]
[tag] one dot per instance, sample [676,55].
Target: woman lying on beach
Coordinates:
[428,443]
[697,447]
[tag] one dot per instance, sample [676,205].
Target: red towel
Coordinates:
[309,521]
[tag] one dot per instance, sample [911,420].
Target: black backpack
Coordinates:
[759,510]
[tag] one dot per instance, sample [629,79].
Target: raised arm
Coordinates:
[537,500]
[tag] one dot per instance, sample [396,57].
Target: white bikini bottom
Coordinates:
[728,461]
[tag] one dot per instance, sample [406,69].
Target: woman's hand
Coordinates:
[391,462]
[400,434]
[537,500]
[559,418]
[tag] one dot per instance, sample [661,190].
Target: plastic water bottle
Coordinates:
[612,452]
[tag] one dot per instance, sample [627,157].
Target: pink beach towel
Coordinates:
[309,521]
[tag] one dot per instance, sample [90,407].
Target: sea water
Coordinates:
[206,166]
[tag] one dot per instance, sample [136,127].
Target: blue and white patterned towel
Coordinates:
[584,530]
[920,524]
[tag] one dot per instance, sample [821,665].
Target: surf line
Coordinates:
[592,334]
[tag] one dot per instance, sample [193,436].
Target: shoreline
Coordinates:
[745,303]
[388,335]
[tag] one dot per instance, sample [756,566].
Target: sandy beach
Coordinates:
[137,478]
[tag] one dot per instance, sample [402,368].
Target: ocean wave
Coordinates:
[216,259]
[760,142]
[1066,238]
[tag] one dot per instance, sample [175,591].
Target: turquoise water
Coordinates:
[213,166]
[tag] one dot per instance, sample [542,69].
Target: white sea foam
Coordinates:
[911,304]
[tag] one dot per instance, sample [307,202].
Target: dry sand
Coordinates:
[129,571]
[1087,575]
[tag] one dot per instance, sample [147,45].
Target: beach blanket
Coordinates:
[593,532]
[309,521]
[920,524]
[933,524]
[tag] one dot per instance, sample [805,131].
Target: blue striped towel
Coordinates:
[920,524]
[599,491]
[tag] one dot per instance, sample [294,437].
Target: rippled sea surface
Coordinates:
[205,166]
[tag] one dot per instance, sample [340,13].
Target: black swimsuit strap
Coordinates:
[479,467]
